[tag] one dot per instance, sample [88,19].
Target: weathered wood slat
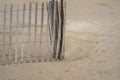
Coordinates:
[4,32]
[16,38]
[35,34]
[23,32]
[62,27]
[41,29]
[48,21]
[29,28]
[10,32]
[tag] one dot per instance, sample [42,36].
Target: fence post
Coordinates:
[56,30]
[63,50]
[53,12]
[62,27]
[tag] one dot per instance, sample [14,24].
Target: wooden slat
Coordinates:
[16,39]
[48,21]
[41,29]
[29,28]
[63,45]
[61,32]
[4,32]
[23,32]
[35,32]
[10,32]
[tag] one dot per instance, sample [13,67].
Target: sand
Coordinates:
[92,46]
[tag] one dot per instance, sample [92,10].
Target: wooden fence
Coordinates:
[32,32]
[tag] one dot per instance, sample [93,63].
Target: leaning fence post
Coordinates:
[16,42]
[58,29]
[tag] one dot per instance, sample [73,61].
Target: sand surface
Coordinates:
[92,46]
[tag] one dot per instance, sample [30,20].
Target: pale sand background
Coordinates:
[92,46]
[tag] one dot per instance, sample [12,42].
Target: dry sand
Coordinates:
[92,46]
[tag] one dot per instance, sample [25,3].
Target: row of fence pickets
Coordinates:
[15,48]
